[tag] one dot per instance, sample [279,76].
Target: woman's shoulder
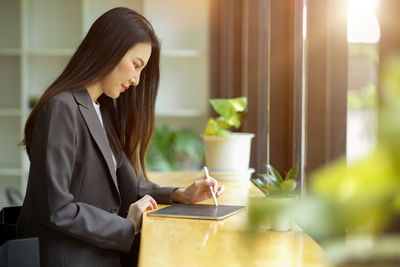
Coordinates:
[62,104]
[63,98]
[71,99]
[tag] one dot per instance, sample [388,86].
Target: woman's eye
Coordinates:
[136,65]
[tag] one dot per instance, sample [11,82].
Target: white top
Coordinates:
[97,108]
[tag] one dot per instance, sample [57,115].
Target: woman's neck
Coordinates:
[95,91]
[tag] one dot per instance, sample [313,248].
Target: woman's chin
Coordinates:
[114,95]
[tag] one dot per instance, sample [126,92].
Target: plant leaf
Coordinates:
[273,190]
[292,174]
[212,128]
[228,107]
[272,180]
[235,120]
[222,123]
[259,184]
[269,178]
[274,172]
[288,186]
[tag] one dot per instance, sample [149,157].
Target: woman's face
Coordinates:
[127,72]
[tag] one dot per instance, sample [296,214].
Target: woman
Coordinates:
[87,138]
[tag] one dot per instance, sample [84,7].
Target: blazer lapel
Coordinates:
[96,130]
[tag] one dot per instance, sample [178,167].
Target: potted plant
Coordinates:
[172,150]
[279,191]
[33,99]
[227,154]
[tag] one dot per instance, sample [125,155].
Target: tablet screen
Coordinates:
[197,211]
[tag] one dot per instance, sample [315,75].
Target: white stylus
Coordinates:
[211,188]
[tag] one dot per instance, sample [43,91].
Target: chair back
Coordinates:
[20,253]
[8,223]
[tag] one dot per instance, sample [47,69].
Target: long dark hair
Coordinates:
[130,118]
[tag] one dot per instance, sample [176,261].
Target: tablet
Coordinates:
[197,211]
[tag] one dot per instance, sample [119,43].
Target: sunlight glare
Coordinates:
[362,23]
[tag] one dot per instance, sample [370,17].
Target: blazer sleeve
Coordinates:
[160,194]
[128,182]
[53,149]
[132,188]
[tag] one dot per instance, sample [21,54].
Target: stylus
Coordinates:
[211,188]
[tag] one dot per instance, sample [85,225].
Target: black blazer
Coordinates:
[75,201]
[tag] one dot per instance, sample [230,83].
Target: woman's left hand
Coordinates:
[198,191]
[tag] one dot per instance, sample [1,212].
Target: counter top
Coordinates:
[192,242]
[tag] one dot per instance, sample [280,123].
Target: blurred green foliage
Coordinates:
[367,193]
[366,97]
[367,50]
[363,196]
[172,150]
[230,111]
[273,184]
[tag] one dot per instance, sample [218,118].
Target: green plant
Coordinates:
[171,150]
[33,99]
[274,185]
[366,97]
[230,113]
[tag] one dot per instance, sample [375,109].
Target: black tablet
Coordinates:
[197,211]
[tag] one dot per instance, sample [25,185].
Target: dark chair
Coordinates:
[8,221]
[16,252]
[20,253]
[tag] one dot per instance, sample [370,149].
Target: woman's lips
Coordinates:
[124,87]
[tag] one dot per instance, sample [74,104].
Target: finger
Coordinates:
[146,205]
[153,203]
[211,182]
[142,202]
[131,206]
[215,184]
[150,202]
[145,198]
[221,189]
[206,183]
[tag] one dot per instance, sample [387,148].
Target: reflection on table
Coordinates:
[190,242]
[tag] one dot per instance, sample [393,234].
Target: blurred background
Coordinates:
[363,33]
[322,79]
[310,70]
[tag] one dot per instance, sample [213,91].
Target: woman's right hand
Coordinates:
[136,210]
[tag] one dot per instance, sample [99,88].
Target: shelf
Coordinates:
[10,86]
[183,113]
[43,70]
[10,52]
[10,156]
[183,53]
[55,24]
[183,84]
[10,172]
[8,181]
[187,23]
[10,112]
[95,8]
[10,24]
[51,52]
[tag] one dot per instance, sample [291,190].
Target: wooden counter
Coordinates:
[189,242]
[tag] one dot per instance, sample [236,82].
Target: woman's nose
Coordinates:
[133,81]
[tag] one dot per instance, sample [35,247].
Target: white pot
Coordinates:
[281,222]
[281,219]
[228,153]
